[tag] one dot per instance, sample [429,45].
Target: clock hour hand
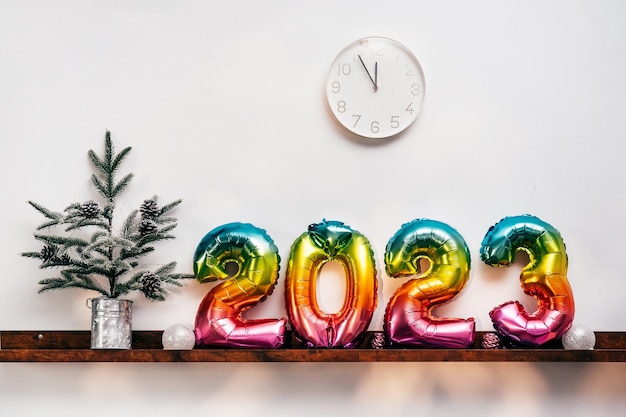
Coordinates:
[375,79]
[375,76]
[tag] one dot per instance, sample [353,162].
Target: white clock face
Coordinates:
[375,87]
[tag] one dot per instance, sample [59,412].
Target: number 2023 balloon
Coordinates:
[545,278]
[408,316]
[219,320]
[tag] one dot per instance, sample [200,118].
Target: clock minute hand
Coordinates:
[374,81]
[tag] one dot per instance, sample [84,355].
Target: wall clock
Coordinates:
[375,87]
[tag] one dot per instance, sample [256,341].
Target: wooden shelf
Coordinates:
[73,346]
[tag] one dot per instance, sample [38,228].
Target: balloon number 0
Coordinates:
[324,242]
[408,316]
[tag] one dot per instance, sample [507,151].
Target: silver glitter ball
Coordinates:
[579,337]
[179,336]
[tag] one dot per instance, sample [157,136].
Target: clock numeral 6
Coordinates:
[375,126]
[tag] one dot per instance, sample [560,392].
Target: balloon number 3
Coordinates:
[247,261]
[545,278]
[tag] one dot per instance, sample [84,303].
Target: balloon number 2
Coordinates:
[409,318]
[246,258]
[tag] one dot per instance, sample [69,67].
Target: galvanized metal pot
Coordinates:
[111,323]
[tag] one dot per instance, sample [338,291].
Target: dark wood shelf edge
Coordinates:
[310,355]
[73,346]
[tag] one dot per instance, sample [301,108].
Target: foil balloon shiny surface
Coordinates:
[247,261]
[409,316]
[322,243]
[545,278]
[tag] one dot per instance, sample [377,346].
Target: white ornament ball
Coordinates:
[179,336]
[579,337]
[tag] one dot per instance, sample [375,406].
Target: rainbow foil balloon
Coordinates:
[322,243]
[545,278]
[409,316]
[246,258]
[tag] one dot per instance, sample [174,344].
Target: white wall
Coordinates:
[223,103]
